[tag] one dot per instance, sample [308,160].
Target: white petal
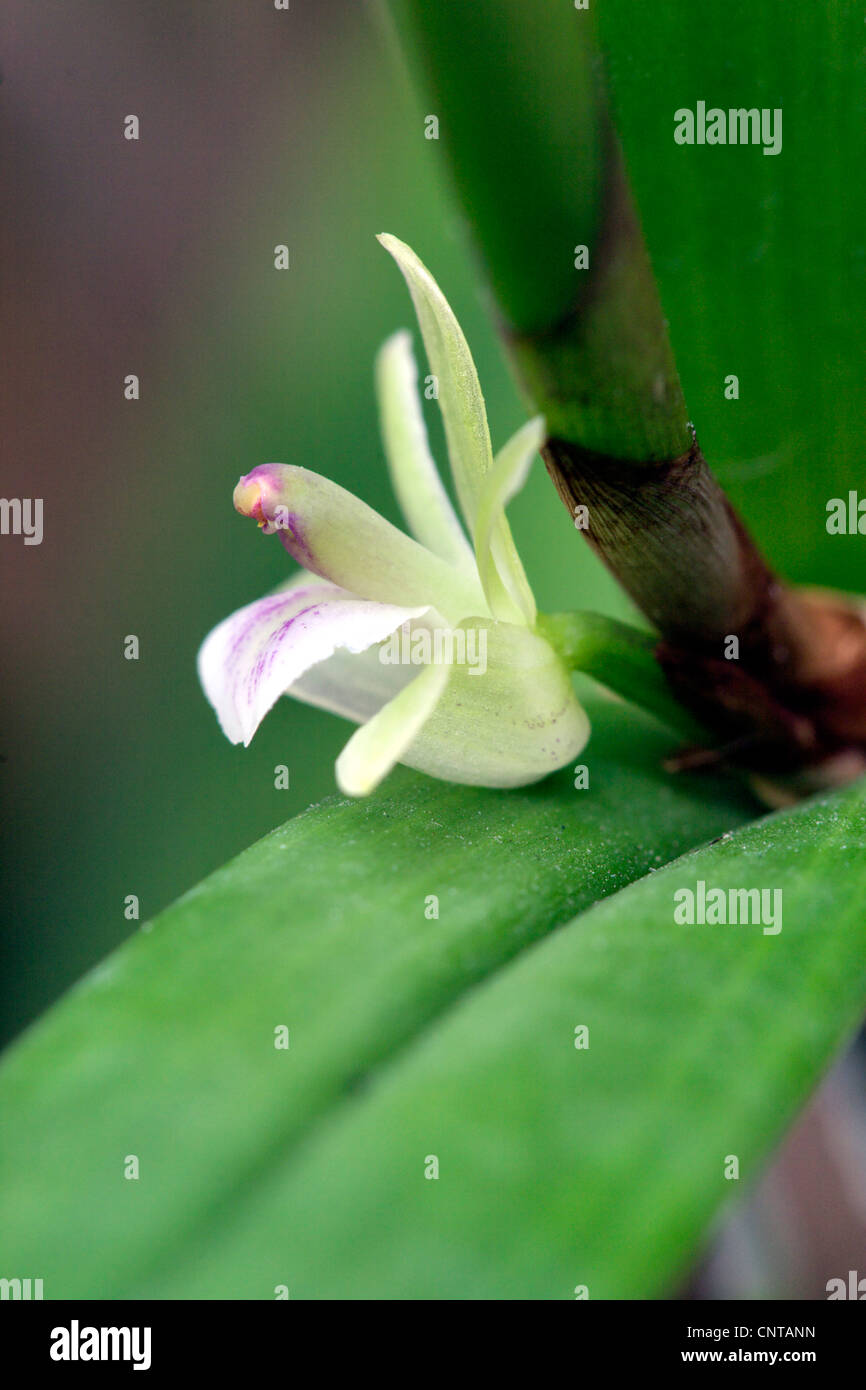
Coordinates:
[415,478]
[254,656]
[373,750]
[351,684]
[330,532]
[354,685]
[498,562]
[507,727]
[357,684]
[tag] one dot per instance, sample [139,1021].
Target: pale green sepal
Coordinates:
[496,555]
[376,747]
[423,500]
[460,397]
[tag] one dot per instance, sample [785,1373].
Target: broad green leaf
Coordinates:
[562,1167]
[759,258]
[167,1052]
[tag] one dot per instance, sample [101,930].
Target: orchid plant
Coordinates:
[322,636]
[501,982]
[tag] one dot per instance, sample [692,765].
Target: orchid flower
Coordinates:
[371,604]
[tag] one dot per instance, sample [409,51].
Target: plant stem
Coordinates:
[524,121]
[622,659]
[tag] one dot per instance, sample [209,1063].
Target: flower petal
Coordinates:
[357,684]
[496,555]
[415,478]
[373,750]
[508,726]
[329,531]
[253,657]
[460,398]
[354,685]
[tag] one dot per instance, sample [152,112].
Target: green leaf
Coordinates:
[167,1053]
[561,1167]
[759,260]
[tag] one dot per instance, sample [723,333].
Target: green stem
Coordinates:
[526,129]
[622,659]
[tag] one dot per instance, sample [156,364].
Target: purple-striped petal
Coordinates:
[256,655]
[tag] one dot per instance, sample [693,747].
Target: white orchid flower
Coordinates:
[323,638]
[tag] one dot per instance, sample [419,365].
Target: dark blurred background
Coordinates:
[156,257]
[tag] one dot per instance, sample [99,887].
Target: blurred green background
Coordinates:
[261,127]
